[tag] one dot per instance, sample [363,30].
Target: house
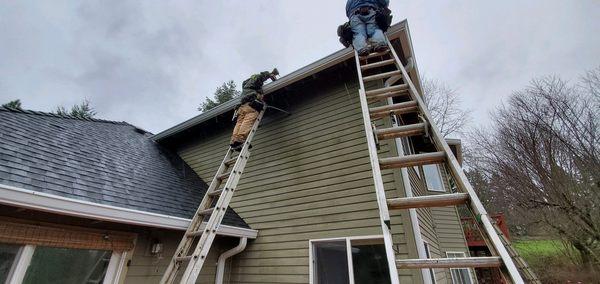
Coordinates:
[112,201]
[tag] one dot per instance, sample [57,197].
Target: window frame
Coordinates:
[431,270]
[114,270]
[453,270]
[439,174]
[348,240]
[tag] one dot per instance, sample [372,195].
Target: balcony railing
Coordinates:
[472,234]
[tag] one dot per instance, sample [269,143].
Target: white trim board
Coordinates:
[24,198]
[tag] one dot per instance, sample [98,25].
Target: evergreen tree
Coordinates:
[224,93]
[83,110]
[16,104]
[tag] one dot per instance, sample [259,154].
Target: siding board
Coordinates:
[309,177]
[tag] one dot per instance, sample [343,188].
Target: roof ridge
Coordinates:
[65,116]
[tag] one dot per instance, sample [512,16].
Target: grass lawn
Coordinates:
[538,250]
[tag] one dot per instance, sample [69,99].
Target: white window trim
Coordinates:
[431,270]
[464,254]
[439,171]
[23,260]
[348,241]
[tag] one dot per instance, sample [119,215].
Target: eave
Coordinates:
[397,31]
[45,202]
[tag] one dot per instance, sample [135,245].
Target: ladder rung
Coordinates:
[183,258]
[377,54]
[391,89]
[382,75]
[215,192]
[377,64]
[393,107]
[231,161]
[401,131]
[428,201]
[384,96]
[412,160]
[399,108]
[206,212]
[194,234]
[223,176]
[465,262]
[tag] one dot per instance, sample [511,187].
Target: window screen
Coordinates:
[331,262]
[67,266]
[459,275]
[433,178]
[8,253]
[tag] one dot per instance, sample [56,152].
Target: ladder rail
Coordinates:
[462,178]
[384,214]
[197,259]
[195,224]
[408,191]
[205,243]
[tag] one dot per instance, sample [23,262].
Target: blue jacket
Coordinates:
[352,5]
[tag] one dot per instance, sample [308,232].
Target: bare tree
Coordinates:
[444,104]
[542,155]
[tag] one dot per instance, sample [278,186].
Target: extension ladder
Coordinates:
[213,206]
[526,271]
[399,85]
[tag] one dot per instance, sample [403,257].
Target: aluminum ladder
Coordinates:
[524,268]
[213,206]
[399,85]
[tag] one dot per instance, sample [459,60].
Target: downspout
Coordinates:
[226,255]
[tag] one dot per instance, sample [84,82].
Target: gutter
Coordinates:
[308,70]
[24,198]
[226,255]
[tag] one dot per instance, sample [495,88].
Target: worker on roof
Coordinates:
[251,104]
[362,15]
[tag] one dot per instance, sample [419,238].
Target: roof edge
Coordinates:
[308,70]
[30,199]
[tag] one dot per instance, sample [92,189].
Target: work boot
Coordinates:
[381,47]
[364,52]
[235,144]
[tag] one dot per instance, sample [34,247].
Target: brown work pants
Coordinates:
[245,120]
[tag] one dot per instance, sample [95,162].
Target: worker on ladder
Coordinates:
[251,104]
[363,15]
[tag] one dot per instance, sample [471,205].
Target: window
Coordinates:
[68,266]
[408,148]
[431,270]
[459,275]
[8,255]
[37,264]
[359,260]
[433,178]
[331,265]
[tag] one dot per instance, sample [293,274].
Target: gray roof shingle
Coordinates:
[100,161]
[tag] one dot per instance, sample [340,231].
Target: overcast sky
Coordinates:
[151,63]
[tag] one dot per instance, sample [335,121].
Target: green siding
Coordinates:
[146,268]
[309,177]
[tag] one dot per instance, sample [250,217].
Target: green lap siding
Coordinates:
[309,177]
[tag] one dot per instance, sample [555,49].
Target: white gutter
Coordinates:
[226,255]
[24,198]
